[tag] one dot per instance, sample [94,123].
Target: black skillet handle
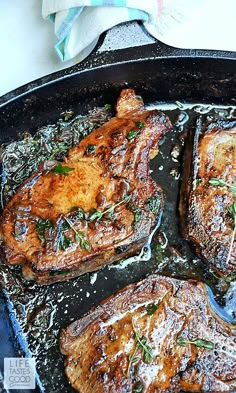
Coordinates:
[109,52]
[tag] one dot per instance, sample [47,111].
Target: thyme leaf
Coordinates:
[138,214]
[64,242]
[200,343]
[80,213]
[79,236]
[62,169]
[221,183]
[97,214]
[41,238]
[131,135]
[152,308]
[140,124]
[43,224]
[153,203]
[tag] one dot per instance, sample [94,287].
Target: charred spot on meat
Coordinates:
[75,216]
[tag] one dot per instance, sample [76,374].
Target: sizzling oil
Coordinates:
[43,311]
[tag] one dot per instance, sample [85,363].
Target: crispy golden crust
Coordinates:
[210,153]
[106,167]
[99,345]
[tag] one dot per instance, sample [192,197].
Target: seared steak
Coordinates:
[97,206]
[206,195]
[159,335]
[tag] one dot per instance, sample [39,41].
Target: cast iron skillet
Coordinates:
[160,74]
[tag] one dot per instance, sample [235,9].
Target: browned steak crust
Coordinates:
[204,208]
[49,225]
[189,347]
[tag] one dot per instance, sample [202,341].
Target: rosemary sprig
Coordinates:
[97,214]
[200,343]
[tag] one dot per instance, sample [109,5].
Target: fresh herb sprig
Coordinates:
[41,226]
[79,236]
[140,124]
[132,135]
[62,170]
[200,343]
[97,214]
[151,309]
[141,342]
[221,183]
[231,209]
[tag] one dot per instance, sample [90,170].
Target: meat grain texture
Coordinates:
[173,319]
[96,207]
[204,207]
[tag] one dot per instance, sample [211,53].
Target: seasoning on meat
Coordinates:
[181,345]
[96,207]
[208,198]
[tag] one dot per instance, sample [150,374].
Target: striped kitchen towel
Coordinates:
[79,23]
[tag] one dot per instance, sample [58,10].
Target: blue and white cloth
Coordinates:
[79,23]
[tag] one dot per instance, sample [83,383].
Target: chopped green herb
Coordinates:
[138,388]
[198,181]
[140,124]
[221,183]
[64,242]
[41,238]
[152,308]
[198,343]
[107,106]
[153,203]
[62,169]
[231,210]
[85,244]
[132,135]
[97,214]
[43,224]
[79,236]
[146,350]
[80,213]
[91,149]
[138,214]
[65,226]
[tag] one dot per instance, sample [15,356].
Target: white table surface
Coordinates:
[27,40]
